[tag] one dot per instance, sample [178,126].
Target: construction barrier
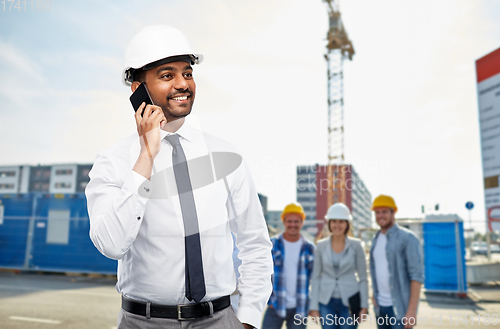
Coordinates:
[49,232]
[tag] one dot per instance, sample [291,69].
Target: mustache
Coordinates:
[187,91]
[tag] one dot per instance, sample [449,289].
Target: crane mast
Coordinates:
[339,48]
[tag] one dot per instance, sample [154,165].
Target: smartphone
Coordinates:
[140,95]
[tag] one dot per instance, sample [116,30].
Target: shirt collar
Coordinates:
[184,131]
[283,239]
[393,229]
[347,242]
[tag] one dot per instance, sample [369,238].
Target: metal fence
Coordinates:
[49,232]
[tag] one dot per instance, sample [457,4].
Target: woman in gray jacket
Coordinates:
[333,281]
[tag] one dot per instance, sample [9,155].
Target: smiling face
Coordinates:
[293,224]
[338,227]
[385,217]
[171,87]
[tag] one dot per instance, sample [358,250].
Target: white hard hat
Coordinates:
[153,44]
[338,211]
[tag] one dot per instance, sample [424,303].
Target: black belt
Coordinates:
[179,312]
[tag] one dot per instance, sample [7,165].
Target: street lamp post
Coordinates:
[469,205]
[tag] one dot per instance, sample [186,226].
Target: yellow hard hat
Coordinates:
[293,208]
[384,201]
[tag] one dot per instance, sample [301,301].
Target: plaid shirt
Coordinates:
[304,271]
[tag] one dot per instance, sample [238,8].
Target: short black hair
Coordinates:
[139,75]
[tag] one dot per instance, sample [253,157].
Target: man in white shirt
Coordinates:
[396,269]
[165,201]
[293,257]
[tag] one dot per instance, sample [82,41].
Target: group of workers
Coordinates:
[336,272]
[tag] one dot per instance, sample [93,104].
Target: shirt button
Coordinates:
[139,218]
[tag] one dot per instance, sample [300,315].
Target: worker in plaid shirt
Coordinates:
[293,257]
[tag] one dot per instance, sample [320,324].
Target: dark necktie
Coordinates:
[195,280]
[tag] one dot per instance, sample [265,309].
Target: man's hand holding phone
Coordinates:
[148,128]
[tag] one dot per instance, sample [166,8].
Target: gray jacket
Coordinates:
[324,277]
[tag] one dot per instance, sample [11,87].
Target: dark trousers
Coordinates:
[335,315]
[387,317]
[273,321]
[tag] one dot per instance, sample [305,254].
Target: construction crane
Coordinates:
[339,47]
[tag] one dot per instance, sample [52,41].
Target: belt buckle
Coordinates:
[179,313]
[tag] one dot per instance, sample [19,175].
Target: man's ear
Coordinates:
[135,85]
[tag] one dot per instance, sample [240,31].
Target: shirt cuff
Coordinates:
[250,316]
[139,185]
[419,278]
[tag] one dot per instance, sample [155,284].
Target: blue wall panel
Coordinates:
[79,255]
[14,230]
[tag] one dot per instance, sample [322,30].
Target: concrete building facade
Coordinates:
[307,189]
[318,187]
[53,179]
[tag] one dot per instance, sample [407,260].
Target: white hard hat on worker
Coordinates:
[156,45]
[338,216]
[338,211]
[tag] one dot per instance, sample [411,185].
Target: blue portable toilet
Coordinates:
[444,253]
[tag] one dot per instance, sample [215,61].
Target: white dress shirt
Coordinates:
[139,222]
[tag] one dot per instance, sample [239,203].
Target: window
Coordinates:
[6,186]
[64,172]
[58,227]
[62,185]
[7,173]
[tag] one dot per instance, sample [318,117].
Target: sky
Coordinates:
[411,118]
